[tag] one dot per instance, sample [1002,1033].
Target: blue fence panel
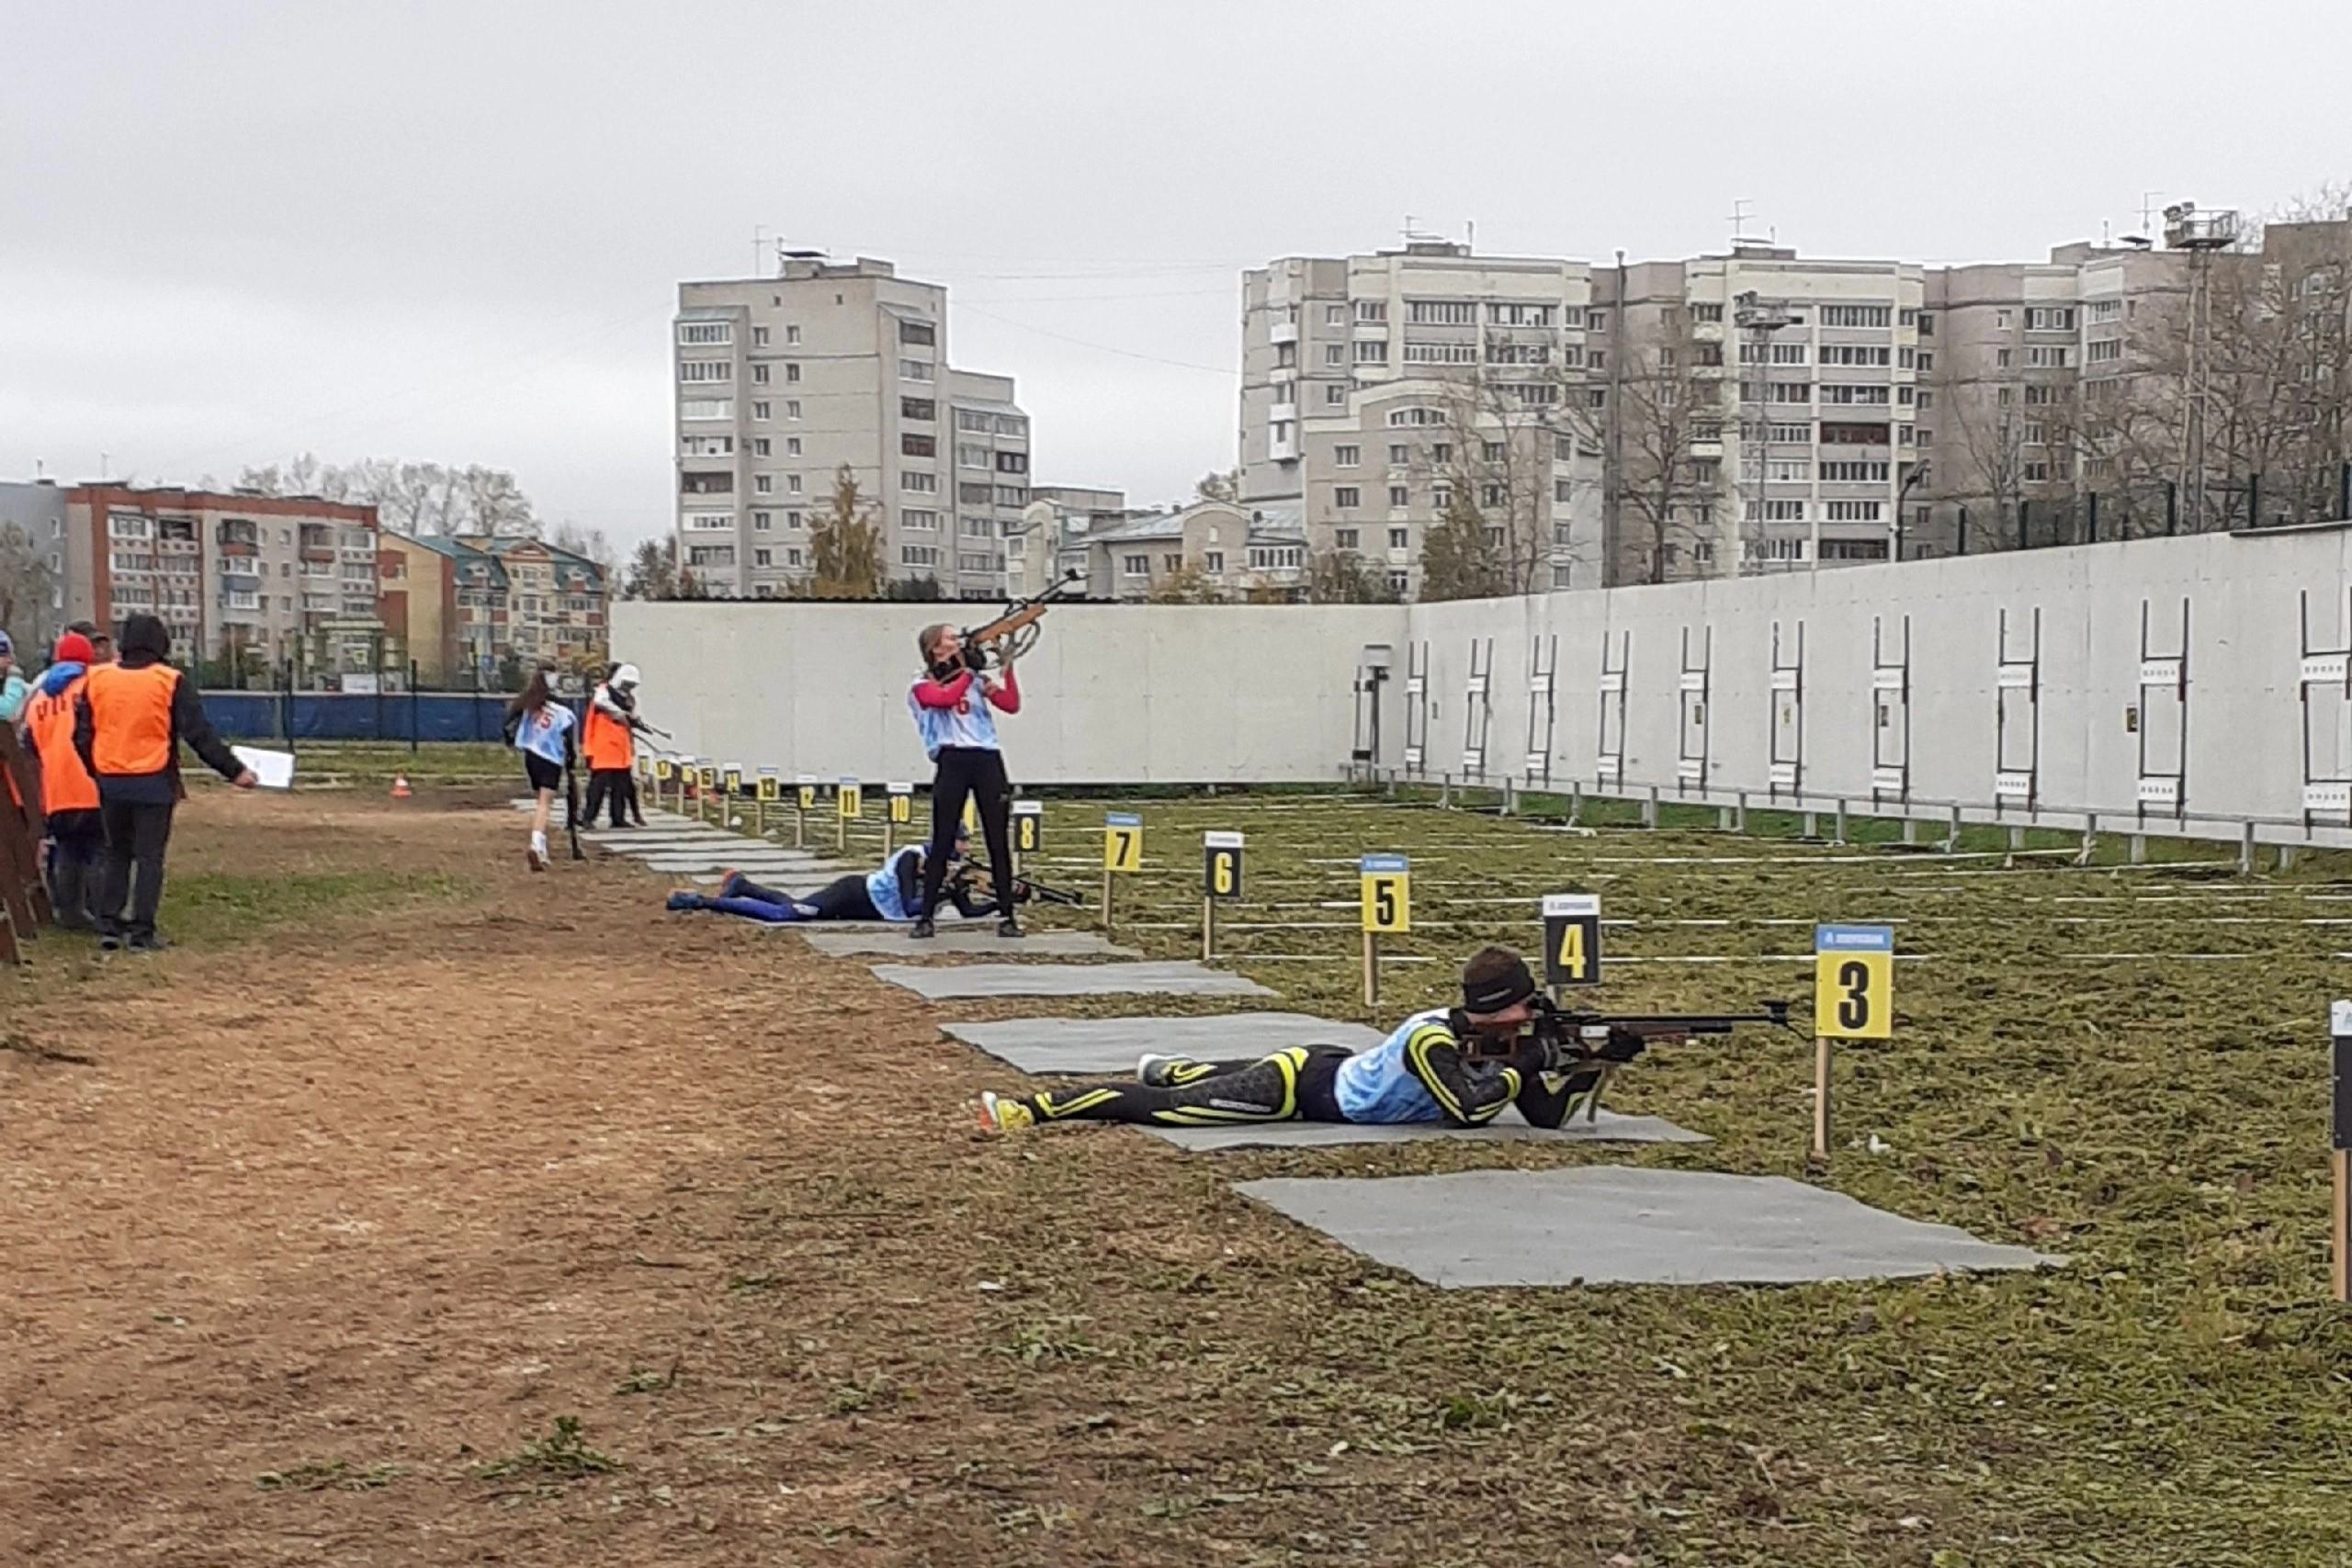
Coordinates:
[355,716]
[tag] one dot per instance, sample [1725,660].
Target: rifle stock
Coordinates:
[1015,632]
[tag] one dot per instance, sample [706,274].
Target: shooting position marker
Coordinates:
[1386,891]
[1122,853]
[849,805]
[1853,998]
[902,813]
[805,787]
[770,788]
[1220,878]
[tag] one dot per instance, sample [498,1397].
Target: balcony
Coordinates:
[1284,332]
[1283,449]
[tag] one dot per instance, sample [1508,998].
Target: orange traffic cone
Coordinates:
[400,787]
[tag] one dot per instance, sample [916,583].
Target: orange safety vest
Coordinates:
[130,717]
[604,741]
[65,783]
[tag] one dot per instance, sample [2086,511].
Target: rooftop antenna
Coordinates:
[1740,217]
[759,243]
[2200,231]
[1470,239]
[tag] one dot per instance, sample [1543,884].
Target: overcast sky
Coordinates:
[231,232]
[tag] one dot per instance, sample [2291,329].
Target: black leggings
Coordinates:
[843,898]
[1292,1085]
[608,782]
[976,772]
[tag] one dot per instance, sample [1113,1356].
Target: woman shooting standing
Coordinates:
[540,727]
[951,705]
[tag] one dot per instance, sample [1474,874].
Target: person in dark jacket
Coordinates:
[129,722]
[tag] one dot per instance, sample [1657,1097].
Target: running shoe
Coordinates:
[1002,1114]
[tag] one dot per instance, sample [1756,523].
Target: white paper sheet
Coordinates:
[272,769]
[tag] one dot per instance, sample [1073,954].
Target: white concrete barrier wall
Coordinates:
[1251,693]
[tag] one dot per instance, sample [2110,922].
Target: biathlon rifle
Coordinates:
[1607,1040]
[976,879]
[571,802]
[1014,633]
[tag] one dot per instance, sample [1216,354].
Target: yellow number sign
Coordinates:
[708,776]
[1121,841]
[902,803]
[732,776]
[1571,939]
[1221,876]
[806,783]
[1387,893]
[849,799]
[771,786]
[1028,825]
[664,769]
[1853,987]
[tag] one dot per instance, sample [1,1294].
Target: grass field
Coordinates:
[726,1216]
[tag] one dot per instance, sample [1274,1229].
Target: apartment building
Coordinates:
[466,606]
[246,580]
[32,519]
[783,383]
[1376,387]
[1049,543]
[1231,550]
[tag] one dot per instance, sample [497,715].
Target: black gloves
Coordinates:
[976,657]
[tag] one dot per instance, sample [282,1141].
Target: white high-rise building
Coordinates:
[782,383]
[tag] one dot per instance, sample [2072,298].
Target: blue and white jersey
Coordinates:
[1379,1085]
[882,887]
[972,723]
[542,734]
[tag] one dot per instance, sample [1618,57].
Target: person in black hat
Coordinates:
[1459,1065]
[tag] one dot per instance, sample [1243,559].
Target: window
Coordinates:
[1518,353]
[2049,319]
[1335,315]
[1335,394]
[792,519]
[1399,496]
[792,483]
[1853,550]
[792,445]
[1595,397]
[1372,351]
[760,410]
[913,445]
[708,522]
[2037,472]
[692,370]
[1172,562]
[917,482]
[2000,360]
[1776,511]
[1398,454]
[923,409]
[759,445]
[1274,558]
[2035,433]
[1927,398]
[1564,450]
[1838,394]
[1490,495]
[1852,354]
[1563,492]
[1785,435]
[1505,314]
[1135,566]
[1285,356]
[1596,320]
[1852,511]
[761,521]
[2048,356]
[1853,435]
[1706,312]
[1405,416]
[792,408]
[1789,392]
[1335,354]
[1346,456]
[1399,581]
[1441,313]
[1347,496]
[710,554]
[2106,351]
[1441,451]
[1856,315]
[1597,358]
[1344,539]
[791,335]
[759,338]
[1773,549]
[1013,495]
[763,557]
[2103,311]
[694,482]
[909,369]
[1853,473]
[919,521]
[922,332]
[758,375]
[918,555]
[974,494]
[969,456]
[1789,470]
[1214,562]
[1560,575]
[1012,462]
[706,445]
[1491,451]
[1399,537]
[762,484]
[706,332]
[1371,311]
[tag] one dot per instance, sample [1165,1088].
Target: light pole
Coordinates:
[1759,322]
[1918,472]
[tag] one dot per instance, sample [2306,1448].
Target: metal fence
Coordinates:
[411,717]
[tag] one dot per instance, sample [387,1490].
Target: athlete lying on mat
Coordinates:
[892,892]
[1460,1065]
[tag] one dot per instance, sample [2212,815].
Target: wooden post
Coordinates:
[799,824]
[1372,969]
[1106,900]
[759,813]
[1821,1058]
[2340,1025]
[841,826]
[1208,929]
[1838,835]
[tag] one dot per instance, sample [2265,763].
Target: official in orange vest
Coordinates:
[607,743]
[69,797]
[129,722]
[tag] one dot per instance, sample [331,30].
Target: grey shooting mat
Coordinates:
[1182,979]
[956,936]
[1077,1047]
[1607,1128]
[1610,1224]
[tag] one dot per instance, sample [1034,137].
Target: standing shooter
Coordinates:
[951,705]
[608,744]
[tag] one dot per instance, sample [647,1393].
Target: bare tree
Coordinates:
[1673,395]
[409,498]
[1343,577]
[27,587]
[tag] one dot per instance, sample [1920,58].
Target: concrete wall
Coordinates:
[1247,693]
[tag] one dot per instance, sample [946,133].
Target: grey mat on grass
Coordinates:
[1183,978]
[957,936]
[1607,1128]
